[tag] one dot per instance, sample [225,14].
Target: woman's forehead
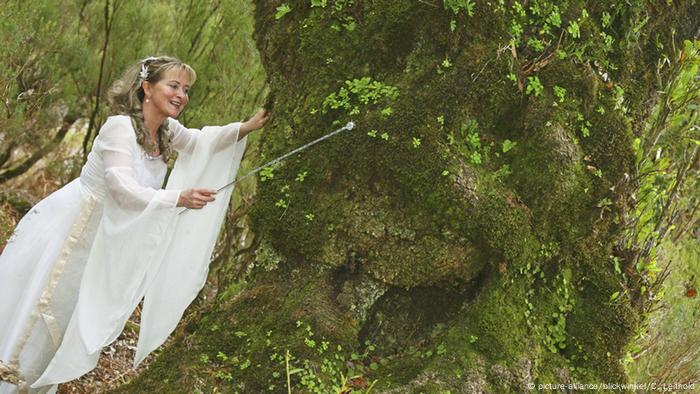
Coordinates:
[177,75]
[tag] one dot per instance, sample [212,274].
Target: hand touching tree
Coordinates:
[256,122]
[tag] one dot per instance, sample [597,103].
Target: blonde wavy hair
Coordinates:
[126,95]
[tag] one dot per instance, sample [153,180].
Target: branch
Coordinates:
[24,166]
[98,91]
[5,156]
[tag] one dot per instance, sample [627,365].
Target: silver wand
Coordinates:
[348,126]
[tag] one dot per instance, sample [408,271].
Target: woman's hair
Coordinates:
[126,96]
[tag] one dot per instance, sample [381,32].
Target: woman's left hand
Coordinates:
[256,122]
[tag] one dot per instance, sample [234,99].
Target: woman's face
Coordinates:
[170,95]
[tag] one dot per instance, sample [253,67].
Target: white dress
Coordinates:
[82,259]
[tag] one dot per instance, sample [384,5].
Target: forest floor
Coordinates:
[115,365]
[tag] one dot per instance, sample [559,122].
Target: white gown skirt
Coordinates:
[40,271]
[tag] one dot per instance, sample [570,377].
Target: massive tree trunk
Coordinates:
[461,238]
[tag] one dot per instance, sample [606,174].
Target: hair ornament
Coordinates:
[144,70]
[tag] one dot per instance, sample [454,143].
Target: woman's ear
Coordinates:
[146,86]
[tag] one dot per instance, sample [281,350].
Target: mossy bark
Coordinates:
[459,274]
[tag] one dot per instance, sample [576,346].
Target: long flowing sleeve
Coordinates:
[185,139]
[213,161]
[117,149]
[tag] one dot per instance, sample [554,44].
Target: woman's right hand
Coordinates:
[195,198]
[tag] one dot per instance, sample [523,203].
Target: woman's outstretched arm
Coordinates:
[184,139]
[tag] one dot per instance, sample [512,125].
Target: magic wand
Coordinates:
[348,126]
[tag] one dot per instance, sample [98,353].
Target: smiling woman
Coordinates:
[161,93]
[84,257]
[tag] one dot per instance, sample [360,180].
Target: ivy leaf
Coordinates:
[282,10]
[508,145]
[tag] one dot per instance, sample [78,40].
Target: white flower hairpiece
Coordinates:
[144,70]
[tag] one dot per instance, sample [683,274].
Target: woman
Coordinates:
[83,258]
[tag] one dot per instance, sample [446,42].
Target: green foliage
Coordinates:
[535,44]
[534,86]
[283,10]
[301,176]
[267,257]
[668,348]
[584,125]
[508,145]
[502,172]
[349,23]
[662,162]
[58,63]
[533,273]
[460,5]
[360,92]
[339,5]
[540,19]
[468,142]
[330,370]
[42,68]
[560,93]
[574,29]
[619,97]
[446,63]
[556,338]
[415,141]
[656,226]
[340,18]
[281,203]
[267,173]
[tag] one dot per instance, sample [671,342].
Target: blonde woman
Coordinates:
[83,258]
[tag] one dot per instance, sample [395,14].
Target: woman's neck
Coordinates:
[152,120]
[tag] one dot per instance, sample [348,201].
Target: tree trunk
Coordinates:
[459,239]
